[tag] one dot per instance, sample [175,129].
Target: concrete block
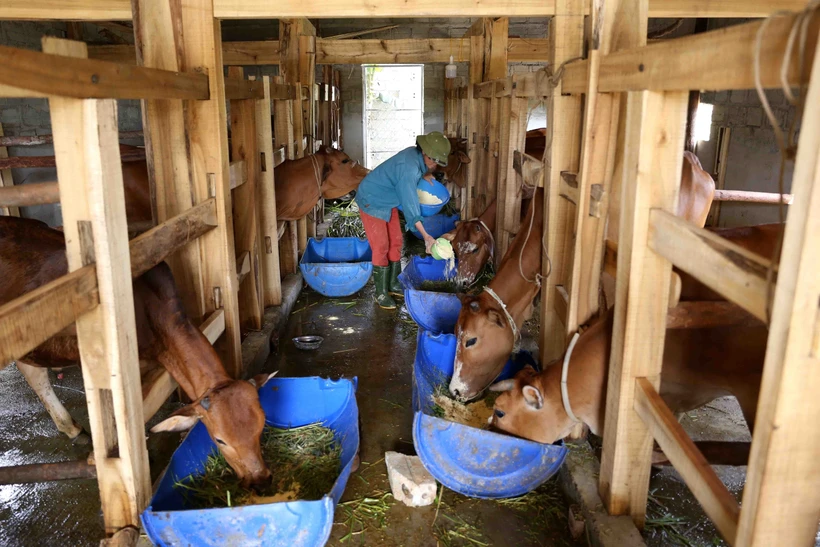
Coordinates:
[738,96]
[737,116]
[410,482]
[721,97]
[754,116]
[719,114]
[11,115]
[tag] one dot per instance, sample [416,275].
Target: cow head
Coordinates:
[234,419]
[458,158]
[525,409]
[485,341]
[340,173]
[473,246]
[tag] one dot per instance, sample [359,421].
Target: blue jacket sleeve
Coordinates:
[409,199]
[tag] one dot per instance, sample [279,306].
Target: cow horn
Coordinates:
[205,403]
[503,385]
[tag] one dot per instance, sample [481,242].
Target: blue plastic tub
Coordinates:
[438,190]
[437,225]
[433,311]
[337,266]
[471,461]
[287,402]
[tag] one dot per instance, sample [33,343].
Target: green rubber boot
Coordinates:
[393,285]
[383,298]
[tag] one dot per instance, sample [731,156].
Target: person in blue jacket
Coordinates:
[389,185]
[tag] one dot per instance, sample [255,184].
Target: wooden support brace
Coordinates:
[6,182]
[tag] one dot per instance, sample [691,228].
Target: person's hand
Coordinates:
[428,243]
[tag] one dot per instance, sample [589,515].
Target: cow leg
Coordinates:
[37,378]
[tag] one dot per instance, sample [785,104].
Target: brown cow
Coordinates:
[699,365]
[473,244]
[32,254]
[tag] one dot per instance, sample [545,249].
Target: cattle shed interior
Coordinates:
[573,113]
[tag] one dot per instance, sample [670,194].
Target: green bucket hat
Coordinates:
[436,146]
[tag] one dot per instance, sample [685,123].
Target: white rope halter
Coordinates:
[564,369]
[513,326]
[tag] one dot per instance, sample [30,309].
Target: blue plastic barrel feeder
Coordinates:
[287,402]
[433,311]
[437,225]
[471,461]
[438,190]
[337,266]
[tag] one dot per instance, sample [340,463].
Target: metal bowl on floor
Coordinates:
[308,342]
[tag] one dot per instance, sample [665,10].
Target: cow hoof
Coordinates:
[83,439]
[356,461]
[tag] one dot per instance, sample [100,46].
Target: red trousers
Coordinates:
[385,238]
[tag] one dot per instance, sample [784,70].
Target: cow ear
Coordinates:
[533,397]
[503,385]
[182,420]
[449,236]
[328,150]
[463,158]
[261,379]
[497,319]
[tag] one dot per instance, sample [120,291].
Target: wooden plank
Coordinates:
[24,195]
[729,269]
[716,500]
[207,131]
[724,139]
[120,10]
[332,51]
[781,499]
[691,315]
[6,181]
[166,144]
[716,60]
[495,49]
[28,321]
[515,140]
[655,124]
[238,173]
[564,113]
[93,207]
[269,247]
[236,89]
[473,115]
[24,71]
[283,133]
[245,201]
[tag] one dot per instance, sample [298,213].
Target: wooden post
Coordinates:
[208,138]
[564,113]
[473,131]
[496,39]
[268,231]
[246,200]
[172,190]
[6,181]
[781,499]
[93,206]
[283,131]
[513,137]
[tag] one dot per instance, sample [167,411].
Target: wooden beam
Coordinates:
[269,247]
[473,131]
[156,27]
[567,31]
[207,130]
[696,315]
[245,199]
[36,140]
[283,133]
[716,500]
[716,60]
[781,499]
[495,48]
[236,89]
[93,207]
[729,269]
[47,472]
[331,51]
[238,173]
[6,181]
[25,73]
[655,127]
[25,195]
[120,10]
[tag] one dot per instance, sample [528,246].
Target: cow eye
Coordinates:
[470,342]
[499,414]
[346,161]
[220,441]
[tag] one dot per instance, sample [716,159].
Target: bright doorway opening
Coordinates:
[393,110]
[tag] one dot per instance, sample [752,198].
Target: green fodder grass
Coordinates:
[304,461]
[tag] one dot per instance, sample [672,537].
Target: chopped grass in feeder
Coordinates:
[474,413]
[304,461]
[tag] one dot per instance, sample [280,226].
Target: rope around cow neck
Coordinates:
[564,370]
[513,326]
[316,173]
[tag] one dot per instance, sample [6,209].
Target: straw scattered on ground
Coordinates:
[304,461]
[364,514]
[474,414]
[661,522]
